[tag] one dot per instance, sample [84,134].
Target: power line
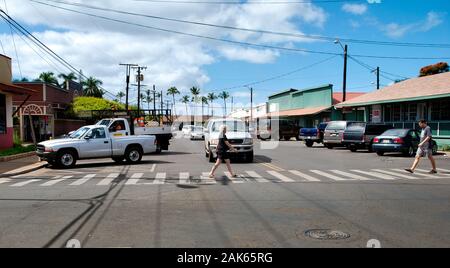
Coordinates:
[297,35]
[235,42]
[14,43]
[371,69]
[248,2]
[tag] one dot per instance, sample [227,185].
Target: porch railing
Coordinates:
[441,129]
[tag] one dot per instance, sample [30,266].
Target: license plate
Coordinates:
[386,141]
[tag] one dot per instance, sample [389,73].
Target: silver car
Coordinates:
[334,133]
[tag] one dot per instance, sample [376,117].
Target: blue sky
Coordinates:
[413,21]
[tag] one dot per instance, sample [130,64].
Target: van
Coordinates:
[361,135]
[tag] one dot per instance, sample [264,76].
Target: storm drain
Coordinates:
[326,234]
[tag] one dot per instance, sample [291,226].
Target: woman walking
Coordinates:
[222,152]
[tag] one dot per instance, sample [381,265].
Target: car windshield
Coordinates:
[395,132]
[198,129]
[80,132]
[232,126]
[356,127]
[337,125]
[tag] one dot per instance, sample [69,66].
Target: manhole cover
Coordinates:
[326,234]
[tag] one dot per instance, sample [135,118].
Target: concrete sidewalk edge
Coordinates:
[26,169]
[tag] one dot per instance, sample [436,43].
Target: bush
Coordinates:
[446,148]
[82,104]
[17,149]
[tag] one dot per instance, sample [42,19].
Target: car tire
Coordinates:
[297,138]
[380,153]
[309,144]
[353,149]
[370,148]
[329,146]
[249,157]
[435,149]
[409,152]
[133,155]
[66,159]
[211,158]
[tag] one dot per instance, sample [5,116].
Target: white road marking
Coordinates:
[422,173]
[4,181]
[206,179]
[109,179]
[327,175]
[56,180]
[160,178]
[350,175]
[82,180]
[133,180]
[153,168]
[409,177]
[444,170]
[20,184]
[375,174]
[280,176]
[256,176]
[183,178]
[234,180]
[304,176]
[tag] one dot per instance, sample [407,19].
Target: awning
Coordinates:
[13,89]
[300,112]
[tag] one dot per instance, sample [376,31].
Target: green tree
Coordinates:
[204,101]
[211,98]
[186,99]
[224,95]
[120,95]
[49,78]
[68,78]
[91,87]
[173,91]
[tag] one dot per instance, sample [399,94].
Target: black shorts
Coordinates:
[223,155]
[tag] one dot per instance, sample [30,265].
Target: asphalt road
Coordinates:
[166,202]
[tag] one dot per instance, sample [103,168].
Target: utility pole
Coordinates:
[378,78]
[251,105]
[344,87]
[140,78]
[232,104]
[127,89]
[154,98]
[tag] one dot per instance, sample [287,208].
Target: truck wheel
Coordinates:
[353,149]
[309,144]
[118,159]
[211,158]
[66,159]
[297,138]
[380,153]
[249,157]
[329,146]
[133,155]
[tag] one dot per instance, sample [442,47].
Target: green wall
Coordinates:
[306,98]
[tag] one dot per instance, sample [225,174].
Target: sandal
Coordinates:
[211,176]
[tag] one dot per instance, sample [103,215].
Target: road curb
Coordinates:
[16,156]
[26,169]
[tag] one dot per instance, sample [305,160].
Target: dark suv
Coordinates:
[277,129]
[360,135]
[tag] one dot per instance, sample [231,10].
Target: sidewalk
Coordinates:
[21,165]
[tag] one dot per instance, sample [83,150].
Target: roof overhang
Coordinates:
[16,90]
[300,112]
[430,97]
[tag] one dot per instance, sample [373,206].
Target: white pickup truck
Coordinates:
[95,142]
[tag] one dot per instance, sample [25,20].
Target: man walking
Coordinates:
[425,148]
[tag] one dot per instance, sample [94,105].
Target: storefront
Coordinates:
[404,103]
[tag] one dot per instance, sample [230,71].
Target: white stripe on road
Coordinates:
[280,176]
[82,180]
[183,178]
[419,173]
[206,179]
[160,178]
[234,180]
[20,184]
[256,176]
[109,179]
[133,180]
[56,180]
[375,174]
[444,170]
[409,177]
[350,175]
[4,181]
[330,176]
[153,168]
[304,176]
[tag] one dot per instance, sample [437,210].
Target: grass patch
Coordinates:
[446,148]
[17,149]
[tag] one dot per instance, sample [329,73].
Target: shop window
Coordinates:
[410,112]
[440,110]
[2,114]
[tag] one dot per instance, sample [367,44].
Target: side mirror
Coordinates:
[87,137]
[70,133]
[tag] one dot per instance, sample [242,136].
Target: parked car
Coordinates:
[197,133]
[237,134]
[334,133]
[361,135]
[186,130]
[95,142]
[312,135]
[404,141]
[277,129]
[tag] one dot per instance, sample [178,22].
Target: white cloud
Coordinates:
[98,46]
[355,9]
[396,30]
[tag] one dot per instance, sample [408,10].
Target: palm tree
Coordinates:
[186,99]
[204,101]
[120,95]
[148,98]
[91,87]
[211,98]
[224,95]
[49,78]
[173,91]
[68,78]
[195,91]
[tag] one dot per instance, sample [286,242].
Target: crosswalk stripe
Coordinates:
[4,180]
[183,178]
[375,174]
[427,172]
[133,180]
[20,184]
[256,176]
[409,177]
[56,180]
[204,178]
[351,175]
[160,178]
[109,179]
[280,176]
[304,176]
[82,180]
[327,175]
[419,173]
[443,170]
[234,180]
